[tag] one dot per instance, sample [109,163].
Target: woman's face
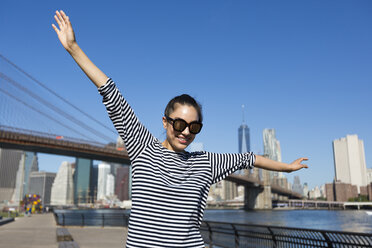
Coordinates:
[178,141]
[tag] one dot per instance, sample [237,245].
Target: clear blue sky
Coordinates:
[301,67]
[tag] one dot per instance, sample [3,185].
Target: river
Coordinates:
[336,220]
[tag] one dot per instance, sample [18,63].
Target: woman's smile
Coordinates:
[182,140]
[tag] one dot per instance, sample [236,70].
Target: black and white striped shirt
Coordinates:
[169,189]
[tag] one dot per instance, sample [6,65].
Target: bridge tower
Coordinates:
[257,197]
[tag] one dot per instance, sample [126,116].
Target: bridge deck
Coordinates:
[39,142]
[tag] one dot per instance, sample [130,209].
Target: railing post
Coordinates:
[82,220]
[236,235]
[103,220]
[210,234]
[329,243]
[63,219]
[273,236]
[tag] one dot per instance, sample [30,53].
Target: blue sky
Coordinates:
[301,67]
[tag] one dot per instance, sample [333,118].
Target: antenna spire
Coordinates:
[243,113]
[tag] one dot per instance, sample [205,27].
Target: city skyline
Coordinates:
[297,67]
[49,157]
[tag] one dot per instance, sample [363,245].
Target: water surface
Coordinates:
[337,220]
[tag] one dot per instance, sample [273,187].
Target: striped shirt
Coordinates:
[169,189]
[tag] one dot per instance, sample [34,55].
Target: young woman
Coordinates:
[169,185]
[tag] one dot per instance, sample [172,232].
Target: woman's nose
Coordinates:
[186,131]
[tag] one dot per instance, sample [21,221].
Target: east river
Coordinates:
[333,220]
[336,220]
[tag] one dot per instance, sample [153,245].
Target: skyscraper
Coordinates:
[31,164]
[110,185]
[231,189]
[27,164]
[305,190]
[103,172]
[349,161]
[270,143]
[63,186]
[122,183]
[41,184]
[93,183]
[82,174]
[369,175]
[243,136]
[243,139]
[297,187]
[18,190]
[9,164]
[272,149]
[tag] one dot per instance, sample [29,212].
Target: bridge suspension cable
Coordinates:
[56,95]
[54,108]
[40,112]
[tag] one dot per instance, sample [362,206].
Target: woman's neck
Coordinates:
[168,146]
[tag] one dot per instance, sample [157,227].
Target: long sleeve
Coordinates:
[223,165]
[135,136]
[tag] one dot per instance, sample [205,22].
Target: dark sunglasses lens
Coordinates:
[195,128]
[179,125]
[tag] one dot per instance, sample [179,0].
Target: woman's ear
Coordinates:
[164,122]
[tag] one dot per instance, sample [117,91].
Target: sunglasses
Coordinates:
[180,124]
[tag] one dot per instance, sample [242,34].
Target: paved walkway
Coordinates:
[37,231]
[98,237]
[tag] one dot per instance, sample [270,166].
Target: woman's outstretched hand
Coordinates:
[296,165]
[65,32]
[268,164]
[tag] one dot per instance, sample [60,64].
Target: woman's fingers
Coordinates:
[55,28]
[58,21]
[300,160]
[60,18]
[65,17]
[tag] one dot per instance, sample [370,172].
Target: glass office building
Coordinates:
[82,175]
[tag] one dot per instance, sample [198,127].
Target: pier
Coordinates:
[309,204]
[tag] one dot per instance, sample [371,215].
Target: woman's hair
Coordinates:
[183,99]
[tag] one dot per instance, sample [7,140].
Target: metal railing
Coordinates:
[222,234]
[225,234]
[103,219]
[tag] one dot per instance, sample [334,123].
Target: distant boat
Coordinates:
[369,212]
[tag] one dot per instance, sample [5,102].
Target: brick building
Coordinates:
[338,191]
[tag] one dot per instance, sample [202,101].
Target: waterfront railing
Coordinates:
[226,234]
[87,218]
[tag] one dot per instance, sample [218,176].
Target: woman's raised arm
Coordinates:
[67,37]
